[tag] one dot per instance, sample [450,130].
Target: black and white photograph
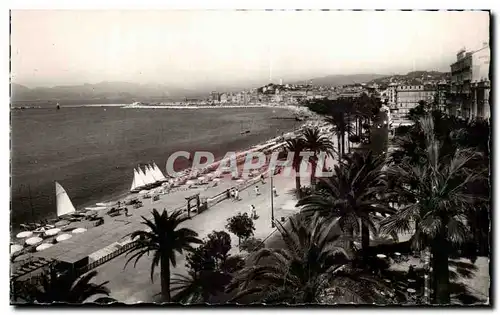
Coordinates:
[250,157]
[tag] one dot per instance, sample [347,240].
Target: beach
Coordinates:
[91,151]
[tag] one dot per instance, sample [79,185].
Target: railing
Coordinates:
[106,258]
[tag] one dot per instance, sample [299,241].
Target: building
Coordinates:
[470,84]
[223,98]
[215,97]
[408,97]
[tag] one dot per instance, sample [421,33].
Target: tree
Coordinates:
[316,143]
[65,288]
[212,254]
[210,268]
[241,225]
[297,273]
[296,146]
[310,263]
[164,239]
[437,201]
[198,287]
[352,195]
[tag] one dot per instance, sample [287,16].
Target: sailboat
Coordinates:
[158,173]
[149,176]
[137,182]
[152,174]
[64,204]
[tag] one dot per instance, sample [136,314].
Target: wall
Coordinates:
[481,65]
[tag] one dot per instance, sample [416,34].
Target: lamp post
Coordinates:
[272,202]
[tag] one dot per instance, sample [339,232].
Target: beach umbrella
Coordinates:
[24,234]
[43,246]
[78,230]
[33,240]
[52,232]
[96,208]
[381,256]
[15,248]
[63,237]
[240,181]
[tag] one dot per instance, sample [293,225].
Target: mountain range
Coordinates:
[126,92]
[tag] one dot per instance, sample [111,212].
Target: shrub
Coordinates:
[251,244]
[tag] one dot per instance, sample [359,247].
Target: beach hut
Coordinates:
[63,237]
[24,234]
[33,240]
[43,246]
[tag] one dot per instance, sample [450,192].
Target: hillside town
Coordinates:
[464,91]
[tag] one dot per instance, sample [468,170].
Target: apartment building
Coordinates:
[470,84]
[408,97]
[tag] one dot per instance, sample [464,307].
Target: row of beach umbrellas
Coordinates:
[34,240]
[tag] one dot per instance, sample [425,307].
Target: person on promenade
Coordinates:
[236,194]
[257,191]
[253,212]
[126,212]
[275,192]
[262,179]
[231,192]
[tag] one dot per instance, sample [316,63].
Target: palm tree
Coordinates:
[199,287]
[65,288]
[337,120]
[298,273]
[352,195]
[164,239]
[437,202]
[296,146]
[316,143]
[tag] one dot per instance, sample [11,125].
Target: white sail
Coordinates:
[152,173]
[138,179]
[149,176]
[158,172]
[143,176]
[64,204]
[137,182]
[134,185]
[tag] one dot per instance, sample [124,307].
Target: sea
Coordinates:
[92,151]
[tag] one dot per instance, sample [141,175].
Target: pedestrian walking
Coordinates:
[253,212]
[232,194]
[236,194]
[257,191]
[262,179]
[275,192]
[126,211]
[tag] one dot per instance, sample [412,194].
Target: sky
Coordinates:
[190,48]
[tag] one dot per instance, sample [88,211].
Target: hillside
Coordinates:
[336,80]
[412,78]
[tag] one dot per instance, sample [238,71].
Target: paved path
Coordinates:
[131,285]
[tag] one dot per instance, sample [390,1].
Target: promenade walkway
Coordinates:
[132,285]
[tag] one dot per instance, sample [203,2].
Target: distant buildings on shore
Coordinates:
[464,93]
